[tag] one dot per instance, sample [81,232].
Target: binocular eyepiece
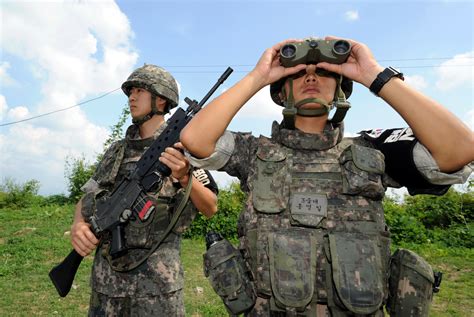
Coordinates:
[313,51]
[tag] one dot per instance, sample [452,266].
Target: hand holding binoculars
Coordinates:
[313,51]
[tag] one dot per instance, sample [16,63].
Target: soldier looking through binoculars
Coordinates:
[313,236]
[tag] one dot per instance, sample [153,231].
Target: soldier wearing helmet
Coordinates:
[313,232]
[143,282]
[159,83]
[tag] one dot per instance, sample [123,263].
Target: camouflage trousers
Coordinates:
[262,309]
[171,304]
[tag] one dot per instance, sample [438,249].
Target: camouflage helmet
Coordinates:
[156,80]
[275,89]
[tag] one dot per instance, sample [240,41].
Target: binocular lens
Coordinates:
[341,47]
[288,51]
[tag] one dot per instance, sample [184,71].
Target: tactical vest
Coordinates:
[314,229]
[141,236]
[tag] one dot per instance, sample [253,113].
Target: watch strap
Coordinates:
[383,77]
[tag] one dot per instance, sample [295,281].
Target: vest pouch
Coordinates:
[269,193]
[362,170]
[143,234]
[356,271]
[227,273]
[109,166]
[410,285]
[292,256]
[88,202]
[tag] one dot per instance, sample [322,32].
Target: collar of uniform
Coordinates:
[297,139]
[134,141]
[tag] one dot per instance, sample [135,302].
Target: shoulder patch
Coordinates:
[201,176]
[400,135]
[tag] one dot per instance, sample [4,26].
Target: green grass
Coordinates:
[33,240]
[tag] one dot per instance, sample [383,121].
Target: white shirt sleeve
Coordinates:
[427,166]
[224,149]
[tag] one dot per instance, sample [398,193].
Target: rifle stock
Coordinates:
[129,194]
[62,275]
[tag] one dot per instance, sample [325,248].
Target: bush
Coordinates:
[456,235]
[56,200]
[19,196]
[77,172]
[230,203]
[403,227]
[441,211]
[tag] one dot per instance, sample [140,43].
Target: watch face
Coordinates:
[393,72]
[388,73]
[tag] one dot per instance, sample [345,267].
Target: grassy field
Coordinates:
[33,240]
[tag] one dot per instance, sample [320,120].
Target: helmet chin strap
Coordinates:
[154,110]
[291,109]
[341,104]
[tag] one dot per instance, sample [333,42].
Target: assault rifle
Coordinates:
[129,198]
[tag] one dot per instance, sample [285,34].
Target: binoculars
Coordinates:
[313,51]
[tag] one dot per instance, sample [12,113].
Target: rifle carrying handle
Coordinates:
[62,275]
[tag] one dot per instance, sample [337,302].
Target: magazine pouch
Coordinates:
[356,271]
[362,171]
[269,194]
[292,256]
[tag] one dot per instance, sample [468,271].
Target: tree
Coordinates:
[77,172]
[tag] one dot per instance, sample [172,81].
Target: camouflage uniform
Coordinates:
[154,288]
[312,230]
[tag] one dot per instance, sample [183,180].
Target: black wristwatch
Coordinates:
[383,77]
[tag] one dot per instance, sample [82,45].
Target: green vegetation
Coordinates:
[78,171]
[34,236]
[229,205]
[33,240]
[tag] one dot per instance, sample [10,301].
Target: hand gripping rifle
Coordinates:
[129,198]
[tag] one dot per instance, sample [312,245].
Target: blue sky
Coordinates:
[57,54]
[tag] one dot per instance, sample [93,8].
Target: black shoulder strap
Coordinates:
[397,146]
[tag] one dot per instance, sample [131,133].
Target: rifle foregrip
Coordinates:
[62,275]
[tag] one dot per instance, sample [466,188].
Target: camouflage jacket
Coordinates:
[162,272]
[313,224]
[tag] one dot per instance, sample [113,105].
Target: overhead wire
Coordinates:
[59,110]
[235,71]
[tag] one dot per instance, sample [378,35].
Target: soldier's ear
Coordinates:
[160,103]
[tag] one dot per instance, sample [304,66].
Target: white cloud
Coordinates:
[456,72]
[76,53]
[5,78]
[261,106]
[18,113]
[3,107]
[351,15]
[348,134]
[222,179]
[416,81]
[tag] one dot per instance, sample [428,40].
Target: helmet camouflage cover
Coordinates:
[156,80]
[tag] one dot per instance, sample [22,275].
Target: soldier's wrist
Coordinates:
[183,181]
